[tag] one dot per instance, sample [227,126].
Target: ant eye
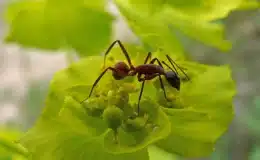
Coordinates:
[173,79]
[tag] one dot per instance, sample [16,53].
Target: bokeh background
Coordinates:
[25,75]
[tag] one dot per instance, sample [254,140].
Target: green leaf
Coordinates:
[211,34]
[151,7]
[221,9]
[160,29]
[76,74]
[70,136]
[81,120]
[48,28]
[8,147]
[129,141]
[157,129]
[251,119]
[156,153]
[72,85]
[54,139]
[255,154]
[249,4]
[200,10]
[196,122]
[82,74]
[152,30]
[206,114]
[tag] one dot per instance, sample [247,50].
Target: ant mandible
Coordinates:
[150,71]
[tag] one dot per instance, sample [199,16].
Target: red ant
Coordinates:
[150,71]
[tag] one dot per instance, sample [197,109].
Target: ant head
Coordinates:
[122,70]
[173,79]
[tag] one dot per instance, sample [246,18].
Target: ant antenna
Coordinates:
[173,63]
[170,67]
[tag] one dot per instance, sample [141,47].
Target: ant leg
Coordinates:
[124,52]
[139,98]
[98,79]
[158,61]
[139,77]
[163,88]
[173,63]
[160,78]
[145,61]
[147,57]
[175,70]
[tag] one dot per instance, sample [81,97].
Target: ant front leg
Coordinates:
[123,50]
[98,79]
[149,55]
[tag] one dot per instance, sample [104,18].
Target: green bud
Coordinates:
[118,98]
[157,84]
[95,106]
[175,101]
[147,107]
[136,124]
[113,117]
[129,87]
[112,99]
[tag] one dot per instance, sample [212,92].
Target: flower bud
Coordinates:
[113,117]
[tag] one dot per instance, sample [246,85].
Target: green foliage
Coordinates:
[68,137]
[9,149]
[35,97]
[107,125]
[189,128]
[251,119]
[207,110]
[87,28]
[159,30]
[54,24]
[159,22]
[249,4]
[199,9]
[156,153]
[114,117]
[255,154]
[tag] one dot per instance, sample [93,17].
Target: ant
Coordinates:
[150,71]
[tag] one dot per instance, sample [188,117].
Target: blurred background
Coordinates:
[24,80]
